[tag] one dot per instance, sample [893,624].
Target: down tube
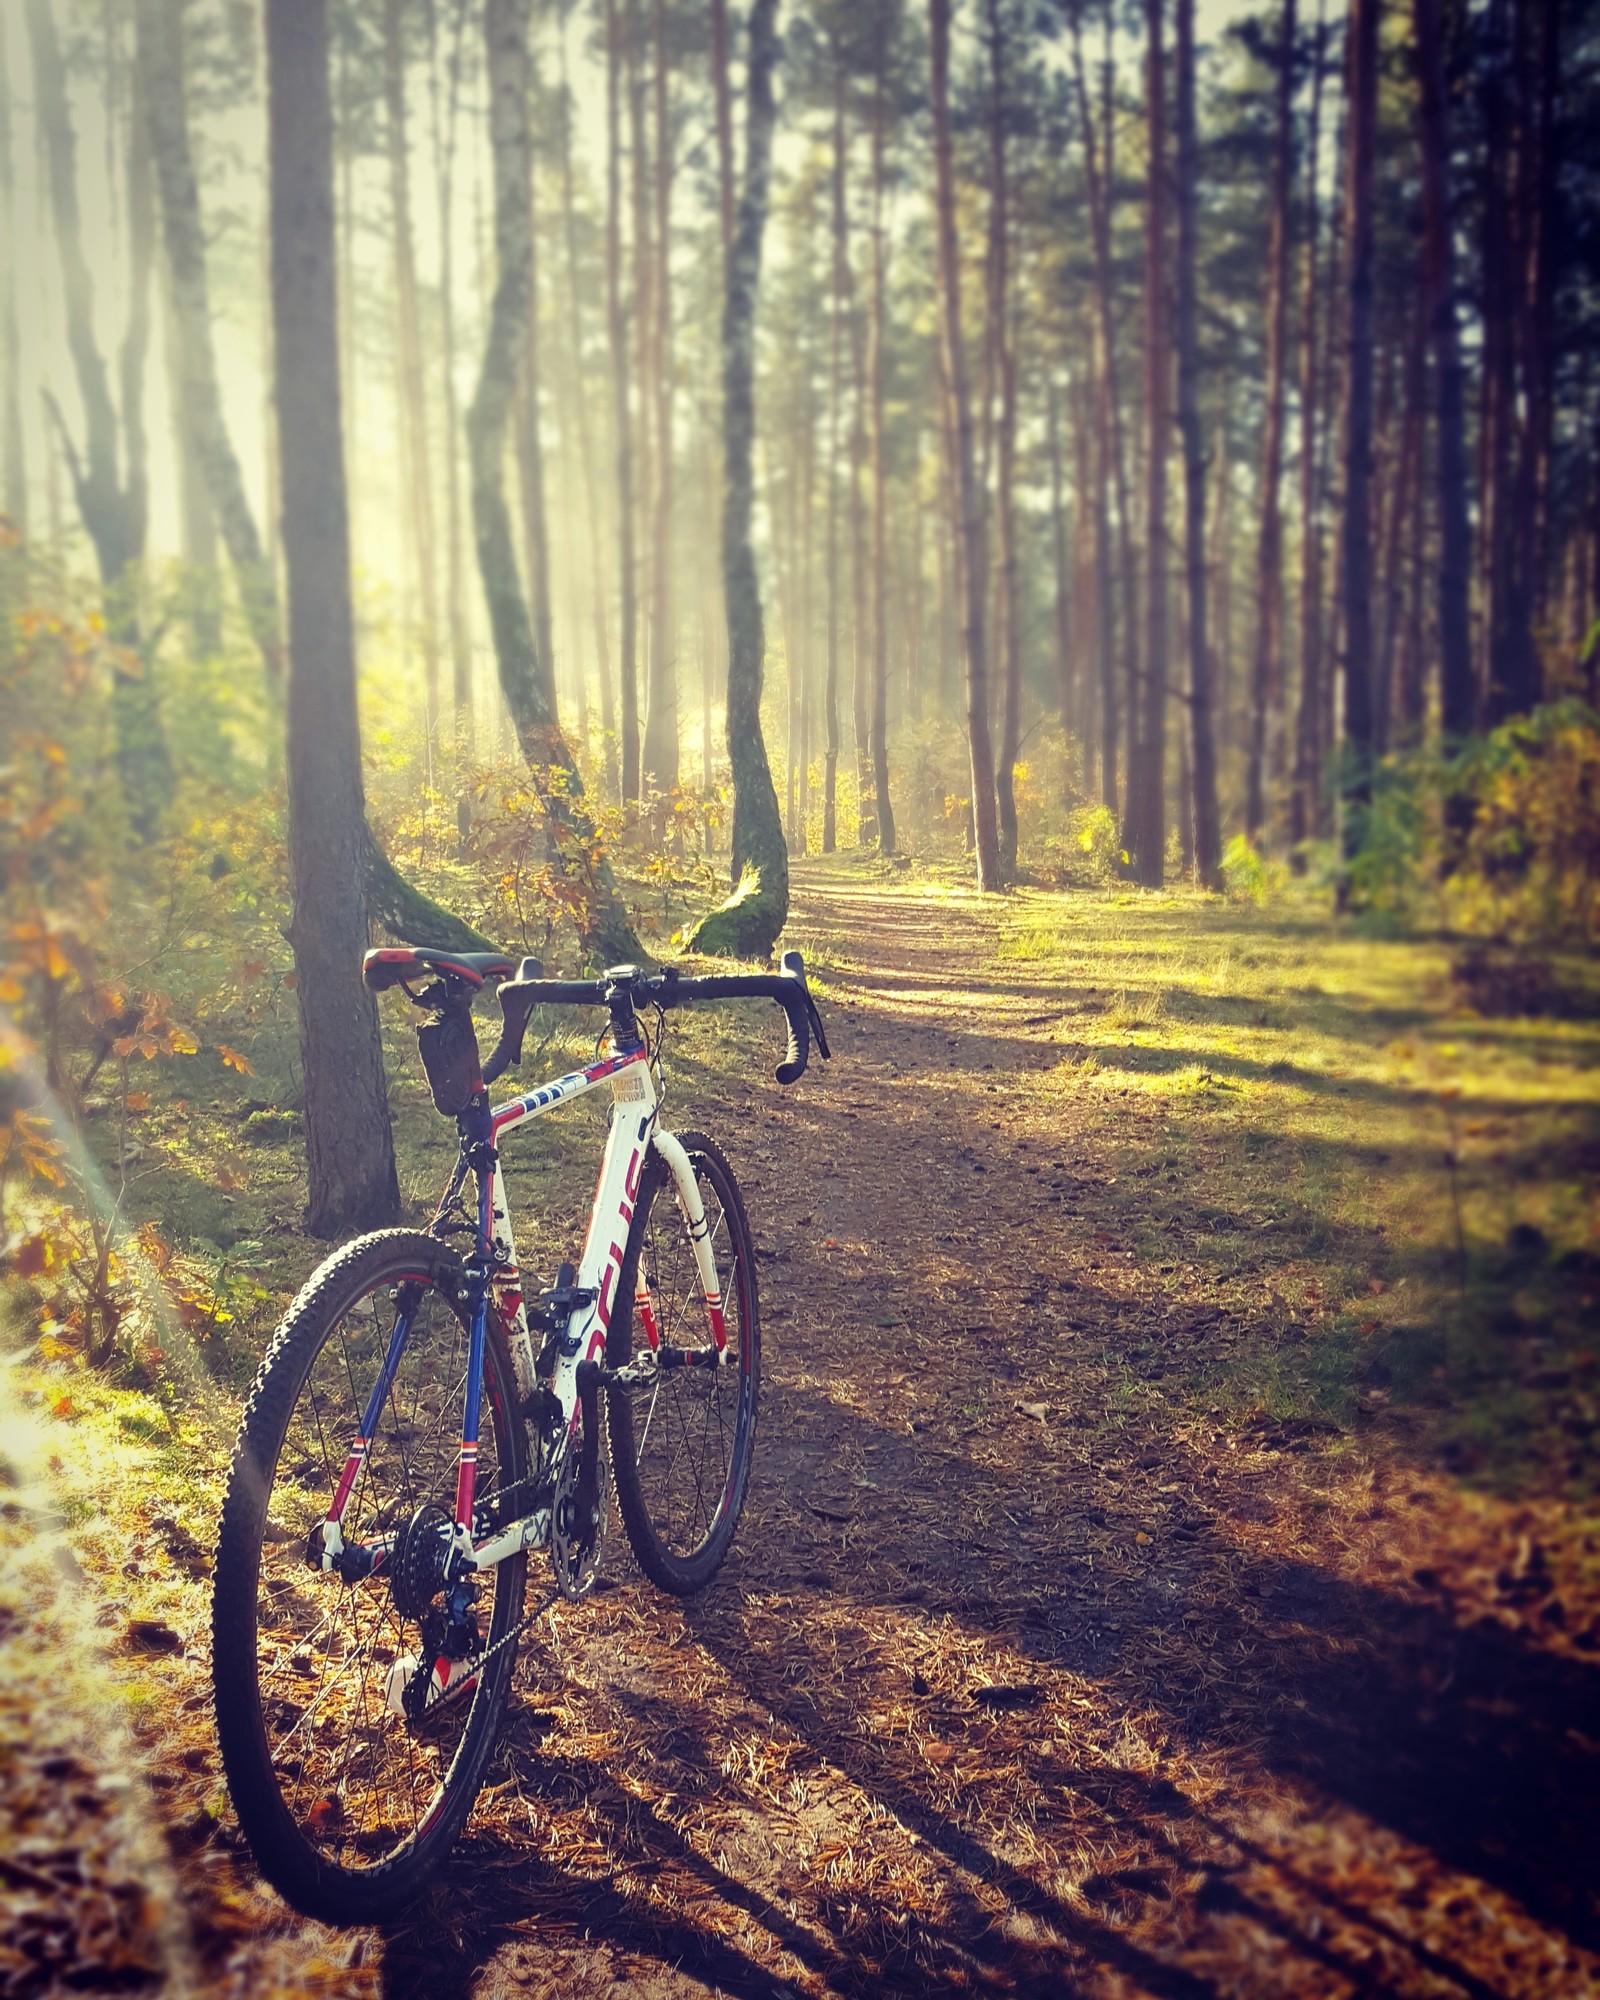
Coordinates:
[467,1470]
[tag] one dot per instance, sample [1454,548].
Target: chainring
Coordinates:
[576,1555]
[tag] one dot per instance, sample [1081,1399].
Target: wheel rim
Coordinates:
[360,1783]
[690,1426]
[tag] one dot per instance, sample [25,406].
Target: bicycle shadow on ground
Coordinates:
[1358,1705]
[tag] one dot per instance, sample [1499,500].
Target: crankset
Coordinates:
[582,1509]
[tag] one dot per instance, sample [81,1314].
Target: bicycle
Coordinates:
[372,1555]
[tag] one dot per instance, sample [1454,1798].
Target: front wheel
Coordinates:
[349,1803]
[683,1436]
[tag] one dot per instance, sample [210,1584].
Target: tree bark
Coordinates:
[1457,701]
[752,919]
[161,58]
[878,726]
[112,496]
[1266,666]
[971,556]
[661,717]
[837,309]
[1147,806]
[415,457]
[644,347]
[1356,567]
[1006,582]
[349,1147]
[1067,699]
[591,502]
[1307,775]
[622,417]
[605,934]
[1113,458]
[444,150]
[13,453]
[1204,833]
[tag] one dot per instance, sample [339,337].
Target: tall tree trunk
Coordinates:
[13,455]
[1457,703]
[971,557]
[444,152]
[643,342]
[878,728]
[415,457]
[836,315]
[661,720]
[1067,695]
[1266,665]
[1005,363]
[1356,570]
[622,417]
[604,931]
[580,393]
[1204,832]
[1307,775]
[1147,818]
[109,477]
[722,97]
[161,59]
[1403,502]
[1113,456]
[528,423]
[751,921]
[860,553]
[349,1148]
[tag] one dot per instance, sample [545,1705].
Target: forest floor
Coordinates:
[1172,1565]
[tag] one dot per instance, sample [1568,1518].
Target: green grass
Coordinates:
[1393,1197]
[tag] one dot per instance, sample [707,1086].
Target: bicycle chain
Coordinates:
[456,1688]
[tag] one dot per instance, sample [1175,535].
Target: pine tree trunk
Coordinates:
[1112,475]
[838,307]
[971,556]
[349,1148]
[13,453]
[1356,555]
[1307,776]
[751,921]
[1007,594]
[622,418]
[644,358]
[661,719]
[416,458]
[580,393]
[464,730]
[1072,723]
[1205,841]
[878,728]
[1266,665]
[1147,819]
[1457,694]
[606,936]
[112,502]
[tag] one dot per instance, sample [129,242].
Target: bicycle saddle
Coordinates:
[392,964]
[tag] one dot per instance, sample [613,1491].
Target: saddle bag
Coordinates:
[450,1056]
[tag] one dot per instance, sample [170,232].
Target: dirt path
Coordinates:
[1024,1676]
[1028,1673]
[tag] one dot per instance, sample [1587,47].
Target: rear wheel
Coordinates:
[348,1806]
[682,1441]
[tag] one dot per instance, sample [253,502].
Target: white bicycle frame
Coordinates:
[633,1132]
